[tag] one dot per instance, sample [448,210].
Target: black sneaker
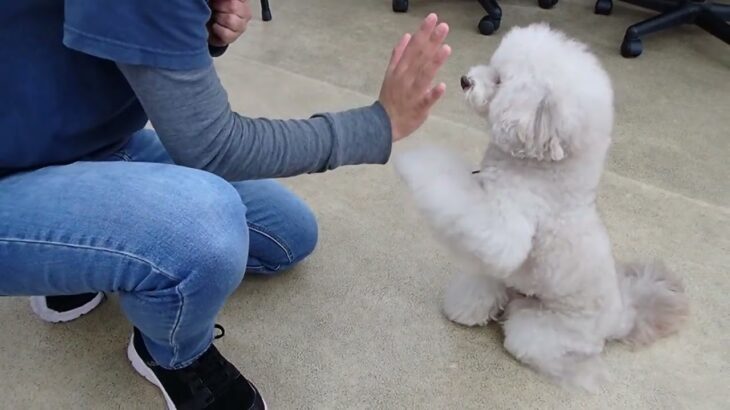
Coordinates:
[210,383]
[65,308]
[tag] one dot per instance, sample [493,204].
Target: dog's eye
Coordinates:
[498,80]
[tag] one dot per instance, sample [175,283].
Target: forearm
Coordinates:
[190,112]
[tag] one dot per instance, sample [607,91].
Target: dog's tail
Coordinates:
[655,304]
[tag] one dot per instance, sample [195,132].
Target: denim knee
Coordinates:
[218,234]
[209,261]
[307,237]
[285,247]
[171,240]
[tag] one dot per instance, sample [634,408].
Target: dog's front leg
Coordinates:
[488,227]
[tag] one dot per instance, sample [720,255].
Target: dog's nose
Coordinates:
[465,83]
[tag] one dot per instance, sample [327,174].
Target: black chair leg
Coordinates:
[547,4]
[661,6]
[631,46]
[605,7]
[714,24]
[265,10]
[723,10]
[490,23]
[662,21]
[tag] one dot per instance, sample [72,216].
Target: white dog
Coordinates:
[535,253]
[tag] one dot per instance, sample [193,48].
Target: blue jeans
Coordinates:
[174,242]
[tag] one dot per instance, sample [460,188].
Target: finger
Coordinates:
[430,48]
[231,21]
[237,7]
[439,35]
[415,46]
[433,95]
[433,45]
[397,54]
[223,34]
[430,69]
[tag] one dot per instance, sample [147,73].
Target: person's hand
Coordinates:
[407,93]
[228,21]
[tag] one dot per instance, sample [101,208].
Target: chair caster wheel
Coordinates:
[488,25]
[603,7]
[631,47]
[547,4]
[400,6]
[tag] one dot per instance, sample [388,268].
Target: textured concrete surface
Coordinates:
[358,325]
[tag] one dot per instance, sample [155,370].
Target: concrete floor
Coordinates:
[358,325]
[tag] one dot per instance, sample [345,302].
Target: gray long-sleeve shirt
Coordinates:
[191,114]
[65,98]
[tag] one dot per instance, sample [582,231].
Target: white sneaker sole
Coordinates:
[38,304]
[148,374]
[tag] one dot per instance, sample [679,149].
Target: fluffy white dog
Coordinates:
[535,253]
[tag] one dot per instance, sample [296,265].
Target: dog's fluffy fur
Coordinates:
[534,251]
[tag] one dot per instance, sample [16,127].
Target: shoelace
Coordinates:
[211,372]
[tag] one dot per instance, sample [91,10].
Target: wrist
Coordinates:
[395,133]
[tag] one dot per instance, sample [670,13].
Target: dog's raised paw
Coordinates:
[429,162]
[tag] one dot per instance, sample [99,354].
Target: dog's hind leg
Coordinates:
[472,298]
[555,345]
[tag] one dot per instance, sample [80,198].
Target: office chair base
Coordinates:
[400,6]
[488,25]
[265,10]
[707,15]
[603,7]
[547,4]
[631,47]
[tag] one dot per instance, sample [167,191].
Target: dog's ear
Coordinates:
[526,125]
[546,139]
